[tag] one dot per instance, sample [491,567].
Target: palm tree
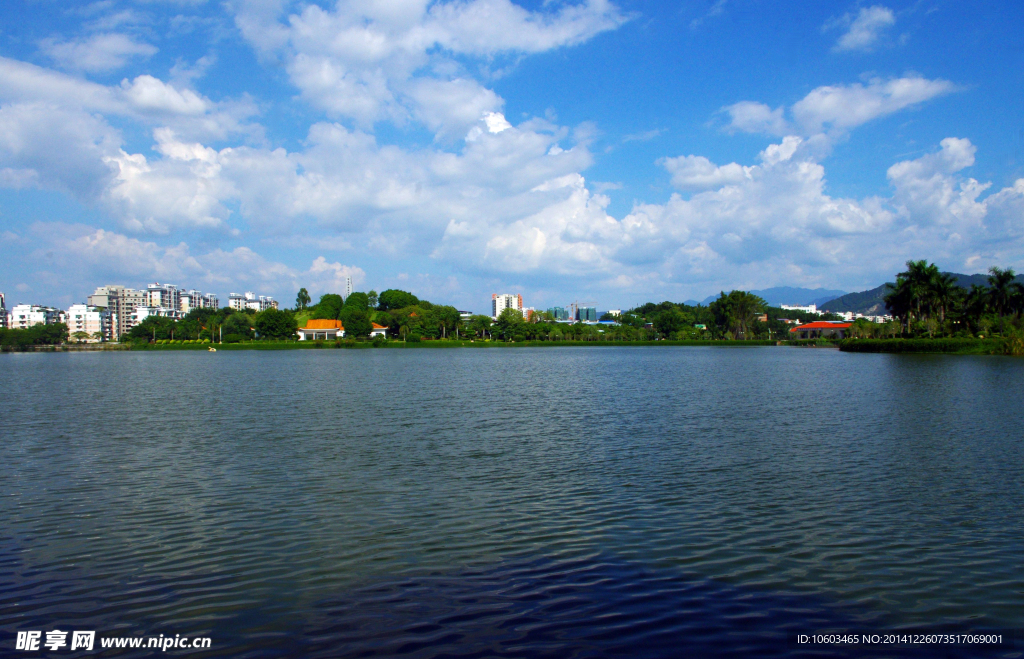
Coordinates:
[1001,291]
[944,293]
[900,300]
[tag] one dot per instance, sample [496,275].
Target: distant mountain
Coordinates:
[790,295]
[872,303]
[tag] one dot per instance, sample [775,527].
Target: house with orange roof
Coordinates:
[820,329]
[329,330]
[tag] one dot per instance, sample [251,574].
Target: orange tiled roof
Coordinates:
[323,324]
[821,324]
[376,326]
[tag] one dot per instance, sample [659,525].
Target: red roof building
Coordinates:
[332,329]
[820,329]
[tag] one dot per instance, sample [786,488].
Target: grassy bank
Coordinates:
[399,345]
[67,347]
[943,346]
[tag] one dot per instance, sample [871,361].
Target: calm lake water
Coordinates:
[551,502]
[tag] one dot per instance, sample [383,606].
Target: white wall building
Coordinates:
[502,301]
[166,296]
[348,287]
[120,303]
[193,299]
[3,311]
[143,312]
[810,308]
[90,320]
[23,316]
[250,300]
[190,299]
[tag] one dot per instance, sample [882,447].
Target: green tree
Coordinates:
[239,324]
[448,319]
[736,312]
[80,336]
[945,293]
[356,322]
[670,321]
[358,301]
[481,325]
[396,299]
[372,298]
[275,324]
[509,323]
[329,307]
[1001,290]
[302,300]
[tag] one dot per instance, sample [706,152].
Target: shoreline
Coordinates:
[955,346]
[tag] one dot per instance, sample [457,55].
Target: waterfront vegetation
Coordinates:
[931,314]
[36,335]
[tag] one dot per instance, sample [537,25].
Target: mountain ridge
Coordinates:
[796,296]
[872,302]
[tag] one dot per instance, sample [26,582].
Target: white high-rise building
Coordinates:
[92,321]
[210,301]
[191,299]
[165,296]
[810,308]
[502,301]
[120,303]
[348,287]
[3,312]
[250,300]
[23,316]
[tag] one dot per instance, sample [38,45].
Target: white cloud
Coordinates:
[93,254]
[395,60]
[146,99]
[148,94]
[863,30]
[98,53]
[753,117]
[699,173]
[55,128]
[842,107]
[928,192]
[834,110]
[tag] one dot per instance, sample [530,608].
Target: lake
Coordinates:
[535,502]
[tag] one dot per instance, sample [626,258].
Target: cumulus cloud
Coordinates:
[843,107]
[94,254]
[837,109]
[55,129]
[864,30]
[397,60]
[145,98]
[699,173]
[98,53]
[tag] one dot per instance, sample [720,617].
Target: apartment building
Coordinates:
[23,316]
[164,296]
[193,299]
[120,303]
[3,311]
[90,324]
[502,301]
[249,300]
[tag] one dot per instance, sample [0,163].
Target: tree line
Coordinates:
[929,302]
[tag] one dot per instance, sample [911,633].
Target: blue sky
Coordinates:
[613,152]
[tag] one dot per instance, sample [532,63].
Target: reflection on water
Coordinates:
[529,502]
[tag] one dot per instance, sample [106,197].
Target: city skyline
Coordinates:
[619,151]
